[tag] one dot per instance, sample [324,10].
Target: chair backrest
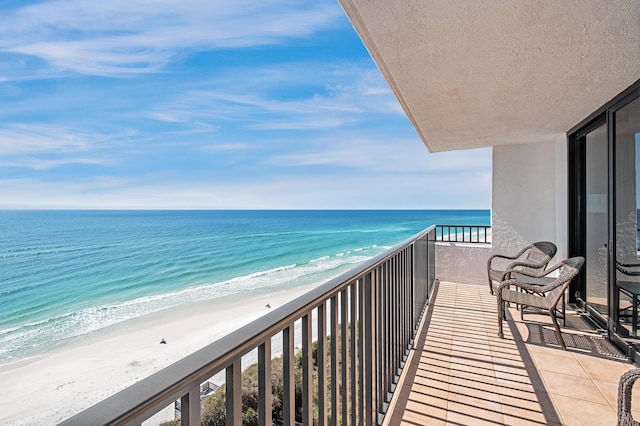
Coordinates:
[570,268]
[627,269]
[540,254]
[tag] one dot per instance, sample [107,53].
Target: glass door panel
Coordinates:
[627,187]
[596,220]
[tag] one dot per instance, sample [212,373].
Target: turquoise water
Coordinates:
[64,274]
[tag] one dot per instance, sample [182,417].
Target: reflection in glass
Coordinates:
[627,147]
[597,236]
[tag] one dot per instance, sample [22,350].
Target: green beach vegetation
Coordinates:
[214,406]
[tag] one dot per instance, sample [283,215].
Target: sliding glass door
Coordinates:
[596,176]
[627,196]
[603,221]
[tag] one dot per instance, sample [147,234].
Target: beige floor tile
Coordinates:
[521,419]
[559,364]
[610,392]
[514,415]
[508,387]
[433,418]
[467,375]
[464,368]
[572,386]
[435,388]
[473,385]
[469,411]
[603,370]
[426,411]
[579,412]
[479,379]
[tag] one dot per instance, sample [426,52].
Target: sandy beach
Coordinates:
[50,388]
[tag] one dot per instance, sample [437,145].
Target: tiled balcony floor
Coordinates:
[461,373]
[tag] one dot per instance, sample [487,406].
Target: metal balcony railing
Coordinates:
[464,233]
[364,321]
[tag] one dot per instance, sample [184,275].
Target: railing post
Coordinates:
[361,350]
[288,376]
[344,319]
[371,393]
[322,365]
[335,402]
[353,300]
[307,371]
[190,407]
[234,393]
[265,396]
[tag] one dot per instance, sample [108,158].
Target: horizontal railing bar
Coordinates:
[462,233]
[171,383]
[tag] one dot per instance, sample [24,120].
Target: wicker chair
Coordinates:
[628,284]
[625,387]
[532,260]
[536,295]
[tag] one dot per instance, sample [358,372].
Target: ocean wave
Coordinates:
[29,339]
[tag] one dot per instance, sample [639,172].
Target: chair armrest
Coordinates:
[504,256]
[532,265]
[529,287]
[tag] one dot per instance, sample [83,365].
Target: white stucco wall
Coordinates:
[462,263]
[529,199]
[529,203]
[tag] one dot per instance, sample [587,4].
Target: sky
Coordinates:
[209,104]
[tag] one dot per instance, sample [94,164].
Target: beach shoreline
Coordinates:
[48,388]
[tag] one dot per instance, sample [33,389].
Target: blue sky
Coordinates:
[209,104]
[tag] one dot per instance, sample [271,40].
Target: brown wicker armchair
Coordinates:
[544,294]
[532,260]
[628,283]
[625,386]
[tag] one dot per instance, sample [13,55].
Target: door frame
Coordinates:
[576,209]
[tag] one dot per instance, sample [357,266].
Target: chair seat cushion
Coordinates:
[527,299]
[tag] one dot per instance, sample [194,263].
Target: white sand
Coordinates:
[52,387]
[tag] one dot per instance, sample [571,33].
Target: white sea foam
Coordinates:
[29,339]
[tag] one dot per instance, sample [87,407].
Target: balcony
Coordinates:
[394,346]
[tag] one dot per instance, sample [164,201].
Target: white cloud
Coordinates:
[350,93]
[24,139]
[49,163]
[136,36]
[222,147]
[373,191]
[368,151]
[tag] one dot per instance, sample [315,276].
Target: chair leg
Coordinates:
[552,312]
[501,315]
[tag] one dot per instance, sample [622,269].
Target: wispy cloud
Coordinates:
[223,147]
[302,120]
[49,163]
[380,152]
[42,147]
[278,192]
[139,36]
[25,139]
[328,96]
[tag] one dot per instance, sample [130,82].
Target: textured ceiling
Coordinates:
[482,73]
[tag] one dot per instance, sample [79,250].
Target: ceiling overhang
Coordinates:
[473,74]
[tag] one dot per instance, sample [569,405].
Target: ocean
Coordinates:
[66,274]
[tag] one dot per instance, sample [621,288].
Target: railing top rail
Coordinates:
[130,403]
[465,226]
